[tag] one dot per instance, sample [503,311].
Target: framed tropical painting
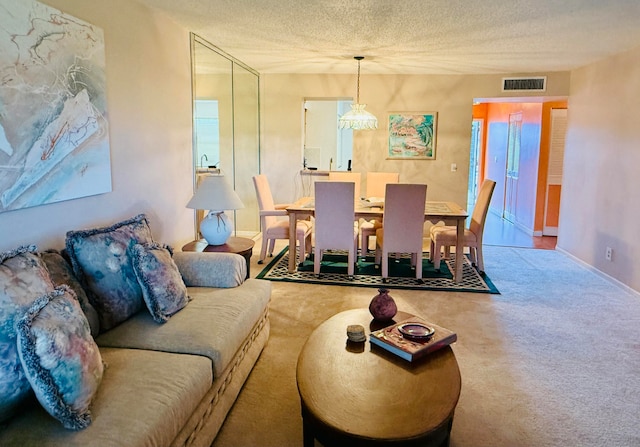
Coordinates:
[412,135]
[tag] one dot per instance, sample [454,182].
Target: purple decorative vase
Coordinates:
[382,306]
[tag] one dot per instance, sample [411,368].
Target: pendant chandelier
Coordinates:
[358,118]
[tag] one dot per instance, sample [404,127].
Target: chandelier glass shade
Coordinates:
[358,118]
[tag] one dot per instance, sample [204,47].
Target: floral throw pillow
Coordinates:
[23,278]
[101,260]
[61,273]
[60,357]
[163,289]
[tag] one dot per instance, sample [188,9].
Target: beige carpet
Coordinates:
[552,361]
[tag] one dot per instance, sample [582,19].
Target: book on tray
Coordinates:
[412,338]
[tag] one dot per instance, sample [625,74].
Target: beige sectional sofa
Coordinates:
[168,384]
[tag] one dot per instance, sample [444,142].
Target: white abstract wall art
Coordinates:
[54,134]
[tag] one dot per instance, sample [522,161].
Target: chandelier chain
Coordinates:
[358,85]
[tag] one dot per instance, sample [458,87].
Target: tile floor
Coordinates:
[498,231]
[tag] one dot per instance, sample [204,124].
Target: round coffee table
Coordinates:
[242,246]
[358,394]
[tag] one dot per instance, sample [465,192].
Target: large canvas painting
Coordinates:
[54,138]
[412,135]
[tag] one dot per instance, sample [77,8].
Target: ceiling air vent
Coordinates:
[534,84]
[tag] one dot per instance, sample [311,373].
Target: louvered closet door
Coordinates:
[554,176]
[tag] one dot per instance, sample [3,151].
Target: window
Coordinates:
[207,129]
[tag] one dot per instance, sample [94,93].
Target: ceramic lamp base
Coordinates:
[216,228]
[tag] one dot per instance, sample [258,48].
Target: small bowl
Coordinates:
[416,331]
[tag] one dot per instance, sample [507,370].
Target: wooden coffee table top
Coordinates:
[374,394]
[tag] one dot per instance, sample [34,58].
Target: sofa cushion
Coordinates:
[145,399]
[59,356]
[101,260]
[211,269]
[163,289]
[214,324]
[23,278]
[61,273]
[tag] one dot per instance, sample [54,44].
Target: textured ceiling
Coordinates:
[412,36]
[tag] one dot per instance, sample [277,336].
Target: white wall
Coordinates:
[600,204]
[149,111]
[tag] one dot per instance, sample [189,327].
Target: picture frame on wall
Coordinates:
[412,135]
[54,129]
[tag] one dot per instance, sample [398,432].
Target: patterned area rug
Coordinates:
[333,271]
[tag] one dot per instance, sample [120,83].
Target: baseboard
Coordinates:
[600,273]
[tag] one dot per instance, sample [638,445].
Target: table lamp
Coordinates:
[215,194]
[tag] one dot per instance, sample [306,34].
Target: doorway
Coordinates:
[512,173]
[511,144]
[474,162]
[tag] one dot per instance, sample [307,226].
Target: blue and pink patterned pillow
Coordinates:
[59,356]
[61,273]
[101,260]
[23,278]
[163,289]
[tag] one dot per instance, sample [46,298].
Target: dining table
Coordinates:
[434,211]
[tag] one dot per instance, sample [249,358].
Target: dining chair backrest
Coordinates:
[481,208]
[265,199]
[334,214]
[347,176]
[377,182]
[403,218]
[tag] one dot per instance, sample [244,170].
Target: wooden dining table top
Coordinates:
[433,210]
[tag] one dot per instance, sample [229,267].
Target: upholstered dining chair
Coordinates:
[347,176]
[376,185]
[274,227]
[334,225]
[445,236]
[402,225]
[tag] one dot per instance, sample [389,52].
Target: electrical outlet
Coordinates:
[608,254]
[454,167]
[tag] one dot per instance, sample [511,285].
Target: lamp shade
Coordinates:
[215,193]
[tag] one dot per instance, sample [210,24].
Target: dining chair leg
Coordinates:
[418,264]
[385,266]
[272,244]
[431,250]
[473,256]
[479,259]
[263,250]
[351,259]
[436,255]
[308,246]
[301,249]
[317,257]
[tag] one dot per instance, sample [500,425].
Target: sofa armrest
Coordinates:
[200,269]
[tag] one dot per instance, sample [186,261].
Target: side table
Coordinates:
[239,245]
